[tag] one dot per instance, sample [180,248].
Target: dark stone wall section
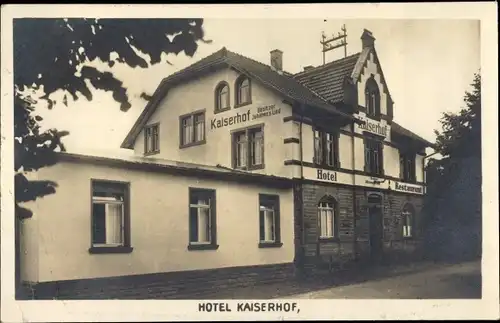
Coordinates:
[353,241]
[175,285]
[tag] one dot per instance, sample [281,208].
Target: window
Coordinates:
[243,91]
[222,97]
[374,157]
[372,97]
[192,128]
[151,139]
[407,166]
[269,220]
[248,148]
[110,220]
[326,149]
[327,218]
[202,225]
[407,215]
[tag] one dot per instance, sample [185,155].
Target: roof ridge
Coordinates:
[317,68]
[222,51]
[291,76]
[259,62]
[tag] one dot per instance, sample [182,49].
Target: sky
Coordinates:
[428,66]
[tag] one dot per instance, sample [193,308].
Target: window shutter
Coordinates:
[277,217]
[193,224]
[337,150]
[401,166]
[381,158]
[261,226]
[367,156]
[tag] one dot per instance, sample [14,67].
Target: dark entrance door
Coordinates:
[376,228]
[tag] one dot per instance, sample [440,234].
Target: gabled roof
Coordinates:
[283,83]
[328,80]
[402,131]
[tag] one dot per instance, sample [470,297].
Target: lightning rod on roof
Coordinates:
[328,44]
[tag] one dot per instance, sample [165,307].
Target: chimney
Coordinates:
[277,60]
[308,67]
[367,39]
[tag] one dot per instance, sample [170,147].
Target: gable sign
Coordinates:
[373,126]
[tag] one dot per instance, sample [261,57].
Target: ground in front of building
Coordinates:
[417,281]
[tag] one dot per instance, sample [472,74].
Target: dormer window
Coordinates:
[372,96]
[243,91]
[222,97]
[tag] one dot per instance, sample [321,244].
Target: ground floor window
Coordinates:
[110,225]
[326,218]
[269,219]
[408,219]
[202,225]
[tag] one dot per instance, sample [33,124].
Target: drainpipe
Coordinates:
[354,203]
[301,152]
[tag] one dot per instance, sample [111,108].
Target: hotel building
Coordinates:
[239,168]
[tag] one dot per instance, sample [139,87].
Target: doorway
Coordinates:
[375,216]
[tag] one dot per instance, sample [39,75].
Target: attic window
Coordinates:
[151,139]
[222,97]
[372,98]
[243,91]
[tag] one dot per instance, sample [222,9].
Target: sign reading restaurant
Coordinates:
[408,188]
[372,126]
[265,111]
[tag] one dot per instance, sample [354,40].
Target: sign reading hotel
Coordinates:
[373,126]
[262,112]
[324,175]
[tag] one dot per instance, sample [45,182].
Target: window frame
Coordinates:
[323,145]
[211,193]
[237,97]
[335,222]
[408,210]
[274,200]
[368,141]
[192,116]
[106,248]
[372,98]
[217,93]
[247,131]
[147,128]
[408,173]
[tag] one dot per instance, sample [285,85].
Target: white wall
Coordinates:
[198,94]
[29,244]
[371,68]
[159,225]
[419,172]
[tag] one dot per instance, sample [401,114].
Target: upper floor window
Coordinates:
[110,217]
[327,218]
[192,129]
[374,161]
[326,148]
[372,98]
[248,148]
[243,91]
[222,97]
[407,166]
[151,139]
[408,215]
[269,220]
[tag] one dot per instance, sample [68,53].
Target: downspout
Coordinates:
[354,203]
[302,227]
